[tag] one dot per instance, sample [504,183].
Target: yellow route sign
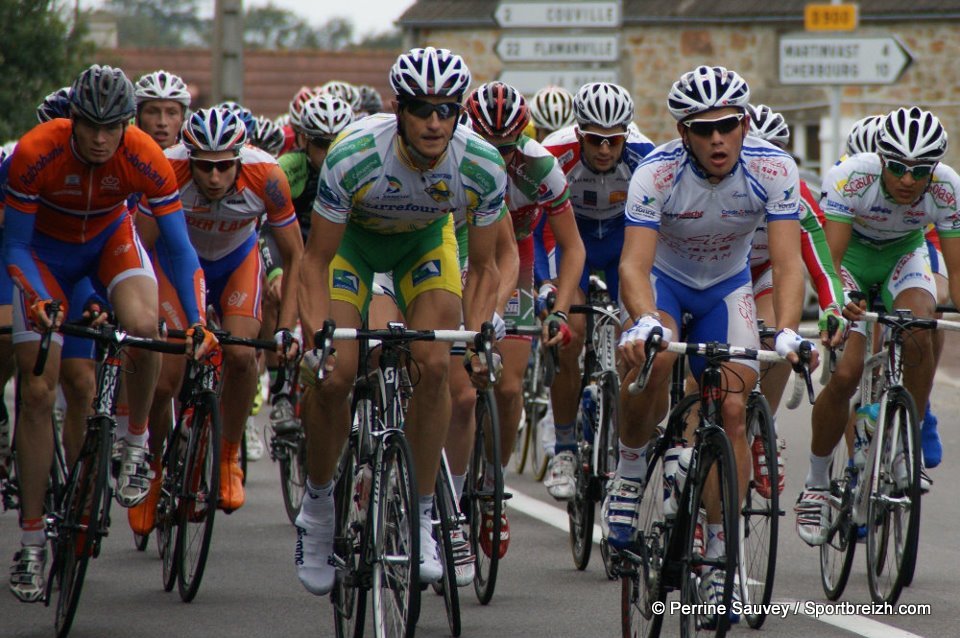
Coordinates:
[831,17]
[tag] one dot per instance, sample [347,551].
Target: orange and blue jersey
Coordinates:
[57,203]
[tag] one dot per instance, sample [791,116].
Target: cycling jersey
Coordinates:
[56,202]
[705,229]
[598,198]
[853,193]
[367,180]
[217,229]
[813,248]
[303,178]
[536,185]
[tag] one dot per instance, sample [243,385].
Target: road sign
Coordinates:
[559,48]
[571,15]
[842,59]
[830,17]
[528,82]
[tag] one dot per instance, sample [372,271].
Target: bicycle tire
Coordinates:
[642,565]
[581,508]
[838,550]
[168,505]
[447,518]
[525,434]
[486,454]
[396,540]
[78,538]
[349,596]
[201,492]
[293,473]
[608,438]
[893,510]
[539,458]
[715,456]
[761,520]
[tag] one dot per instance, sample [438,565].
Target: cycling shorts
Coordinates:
[545,253]
[762,277]
[725,312]
[420,260]
[603,254]
[6,283]
[936,260]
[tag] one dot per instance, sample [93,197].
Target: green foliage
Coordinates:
[272,28]
[39,53]
[149,23]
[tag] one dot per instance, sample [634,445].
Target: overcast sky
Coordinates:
[368,16]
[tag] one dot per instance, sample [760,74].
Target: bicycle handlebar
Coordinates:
[52,309]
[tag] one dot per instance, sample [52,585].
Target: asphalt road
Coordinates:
[250,587]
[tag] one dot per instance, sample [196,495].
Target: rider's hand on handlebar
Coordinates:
[200,341]
[499,326]
[475,363]
[562,336]
[787,344]
[546,296]
[288,345]
[633,341]
[39,317]
[836,340]
[855,306]
[310,365]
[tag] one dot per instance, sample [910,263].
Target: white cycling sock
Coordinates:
[426,511]
[819,473]
[318,502]
[633,462]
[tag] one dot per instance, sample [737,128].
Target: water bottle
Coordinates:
[588,407]
[864,426]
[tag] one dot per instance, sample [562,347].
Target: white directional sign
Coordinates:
[559,48]
[841,59]
[570,79]
[575,15]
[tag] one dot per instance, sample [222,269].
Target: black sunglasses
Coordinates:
[207,166]
[723,125]
[321,143]
[423,109]
[899,169]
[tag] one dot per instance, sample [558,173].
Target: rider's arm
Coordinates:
[572,254]
[186,275]
[816,254]
[18,231]
[508,262]
[313,290]
[838,235]
[950,247]
[784,237]
[479,296]
[636,264]
[282,219]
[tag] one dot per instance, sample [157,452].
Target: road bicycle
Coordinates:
[377,534]
[537,379]
[884,495]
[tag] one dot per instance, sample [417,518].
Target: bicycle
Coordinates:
[597,423]
[82,517]
[537,380]
[289,449]
[376,538]
[669,552]
[885,493]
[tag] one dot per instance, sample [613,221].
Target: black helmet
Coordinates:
[103,95]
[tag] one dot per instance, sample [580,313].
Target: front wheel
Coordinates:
[483,498]
[893,511]
[349,597]
[837,551]
[448,519]
[608,450]
[292,456]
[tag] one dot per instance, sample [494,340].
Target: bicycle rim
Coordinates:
[168,508]
[201,490]
[580,509]
[641,567]
[486,454]
[761,521]
[836,553]
[396,572]
[448,520]
[716,463]
[538,456]
[893,511]
[293,475]
[525,434]
[609,439]
[348,597]
[80,527]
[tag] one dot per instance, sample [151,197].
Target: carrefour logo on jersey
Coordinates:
[393,185]
[439,191]
[346,280]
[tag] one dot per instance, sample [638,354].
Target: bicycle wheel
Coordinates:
[761,519]
[608,440]
[396,537]
[79,528]
[349,597]
[580,509]
[836,553]
[201,490]
[448,520]
[293,472]
[168,507]
[893,510]
[483,495]
[528,424]
[701,574]
[641,567]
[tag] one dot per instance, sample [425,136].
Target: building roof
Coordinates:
[479,13]
[270,78]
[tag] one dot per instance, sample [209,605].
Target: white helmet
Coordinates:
[325,116]
[707,88]
[267,135]
[912,134]
[161,85]
[552,108]
[296,104]
[429,71]
[604,104]
[768,125]
[863,135]
[214,130]
[343,90]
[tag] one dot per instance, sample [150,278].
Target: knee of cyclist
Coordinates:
[433,375]
[733,413]
[239,359]
[845,380]
[145,327]
[36,392]
[78,388]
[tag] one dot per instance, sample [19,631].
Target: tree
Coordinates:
[39,53]
[149,23]
[272,27]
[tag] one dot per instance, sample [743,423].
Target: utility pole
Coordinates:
[227,51]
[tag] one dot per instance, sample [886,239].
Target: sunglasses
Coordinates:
[207,166]
[598,139]
[321,143]
[705,128]
[423,110]
[899,169]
